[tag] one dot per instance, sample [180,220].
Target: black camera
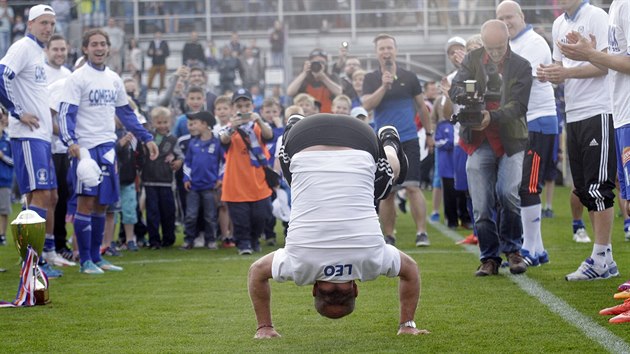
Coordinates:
[474,98]
[316,66]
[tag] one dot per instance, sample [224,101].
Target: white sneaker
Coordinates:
[55,259]
[200,241]
[627,233]
[580,236]
[588,270]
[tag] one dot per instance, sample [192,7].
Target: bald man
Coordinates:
[496,147]
[542,123]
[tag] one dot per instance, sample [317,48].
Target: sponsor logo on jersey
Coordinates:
[626,155]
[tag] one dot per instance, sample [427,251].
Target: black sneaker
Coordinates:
[3,240]
[390,240]
[388,134]
[422,240]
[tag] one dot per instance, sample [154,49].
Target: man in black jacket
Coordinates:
[192,54]
[496,145]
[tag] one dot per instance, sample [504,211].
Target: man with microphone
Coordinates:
[395,95]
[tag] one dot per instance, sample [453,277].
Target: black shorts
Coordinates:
[591,148]
[412,150]
[537,159]
[337,130]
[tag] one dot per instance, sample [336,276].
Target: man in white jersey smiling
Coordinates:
[334,237]
[590,138]
[580,47]
[23,91]
[542,124]
[91,97]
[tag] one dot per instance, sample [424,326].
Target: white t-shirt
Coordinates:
[97,93]
[29,88]
[584,98]
[334,233]
[533,47]
[618,44]
[55,89]
[54,74]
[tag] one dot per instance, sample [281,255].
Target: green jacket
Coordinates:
[517,83]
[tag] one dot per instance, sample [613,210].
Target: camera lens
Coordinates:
[316,66]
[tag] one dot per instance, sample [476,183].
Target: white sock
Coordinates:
[599,254]
[530,218]
[609,256]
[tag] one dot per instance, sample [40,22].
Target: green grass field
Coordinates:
[196,301]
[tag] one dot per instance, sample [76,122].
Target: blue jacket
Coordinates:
[201,166]
[444,142]
[6,163]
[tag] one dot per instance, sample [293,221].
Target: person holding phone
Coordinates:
[316,81]
[245,188]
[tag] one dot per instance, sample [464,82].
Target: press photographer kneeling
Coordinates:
[493,132]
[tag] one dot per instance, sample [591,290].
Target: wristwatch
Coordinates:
[410,324]
[429,133]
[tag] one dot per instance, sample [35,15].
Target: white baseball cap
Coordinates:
[39,10]
[358,111]
[455,41]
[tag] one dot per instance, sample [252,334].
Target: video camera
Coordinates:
[474,98]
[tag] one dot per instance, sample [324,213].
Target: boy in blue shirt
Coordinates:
[201,173]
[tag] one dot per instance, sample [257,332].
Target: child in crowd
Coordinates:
[341,105]
[157,176]
[130,159]
[222,113]
[195,102]
[270,112]
[245,188]
[306,102]
[6,177]
[201,173]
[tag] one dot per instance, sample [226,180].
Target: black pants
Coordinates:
[62,165]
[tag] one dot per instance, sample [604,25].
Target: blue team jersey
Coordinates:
[201,166]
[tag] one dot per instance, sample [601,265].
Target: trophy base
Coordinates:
[41,297]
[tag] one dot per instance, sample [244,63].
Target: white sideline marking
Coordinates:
[592,330]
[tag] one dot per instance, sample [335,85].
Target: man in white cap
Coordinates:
[23,91]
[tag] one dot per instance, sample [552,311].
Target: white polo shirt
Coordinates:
[584,98]
[618,44]
[334,233]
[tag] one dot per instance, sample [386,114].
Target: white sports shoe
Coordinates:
[55,259]
[580,236]
[588,270]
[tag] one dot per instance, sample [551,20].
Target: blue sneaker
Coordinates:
[50,271]
[588,270]
[132,246]
[435,217]
[529,259]
[105,265]
[543,258]
[88,267]
[612,269]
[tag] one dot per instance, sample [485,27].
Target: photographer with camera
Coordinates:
[315,81]
[494,135]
